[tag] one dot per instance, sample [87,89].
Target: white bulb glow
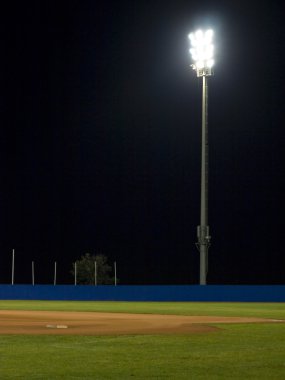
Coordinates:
[209,35]
[200,64]
[199,35]
[210,63]
[202,49]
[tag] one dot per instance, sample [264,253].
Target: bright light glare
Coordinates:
[210,63]
[202,49]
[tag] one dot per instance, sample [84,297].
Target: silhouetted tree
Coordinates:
[85,268]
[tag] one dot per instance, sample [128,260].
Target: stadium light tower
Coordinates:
[202,51]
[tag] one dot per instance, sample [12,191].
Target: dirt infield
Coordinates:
[91,323]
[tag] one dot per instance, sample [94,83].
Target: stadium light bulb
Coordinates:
[202,48]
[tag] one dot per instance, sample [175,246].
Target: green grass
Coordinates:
[233,351]
[238,309]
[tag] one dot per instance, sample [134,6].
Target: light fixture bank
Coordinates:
[202,51]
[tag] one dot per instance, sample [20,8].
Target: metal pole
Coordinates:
[33,274]
[95,273]
[203,229]
[13,265]
[75,273]
[115,269]
[54,281]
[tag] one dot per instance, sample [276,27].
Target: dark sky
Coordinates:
[100,140]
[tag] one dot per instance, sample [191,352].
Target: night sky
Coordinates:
[101,133]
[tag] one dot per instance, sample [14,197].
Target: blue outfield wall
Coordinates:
[211,293]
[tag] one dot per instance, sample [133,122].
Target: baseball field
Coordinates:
[141,340]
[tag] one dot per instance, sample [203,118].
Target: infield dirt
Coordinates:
[91,323]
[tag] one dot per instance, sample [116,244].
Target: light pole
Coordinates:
[202,54]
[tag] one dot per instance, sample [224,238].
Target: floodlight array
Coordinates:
[202,49]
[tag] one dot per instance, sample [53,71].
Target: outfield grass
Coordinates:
[228,309]
[233,351]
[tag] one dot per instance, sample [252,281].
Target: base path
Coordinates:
[92,323]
